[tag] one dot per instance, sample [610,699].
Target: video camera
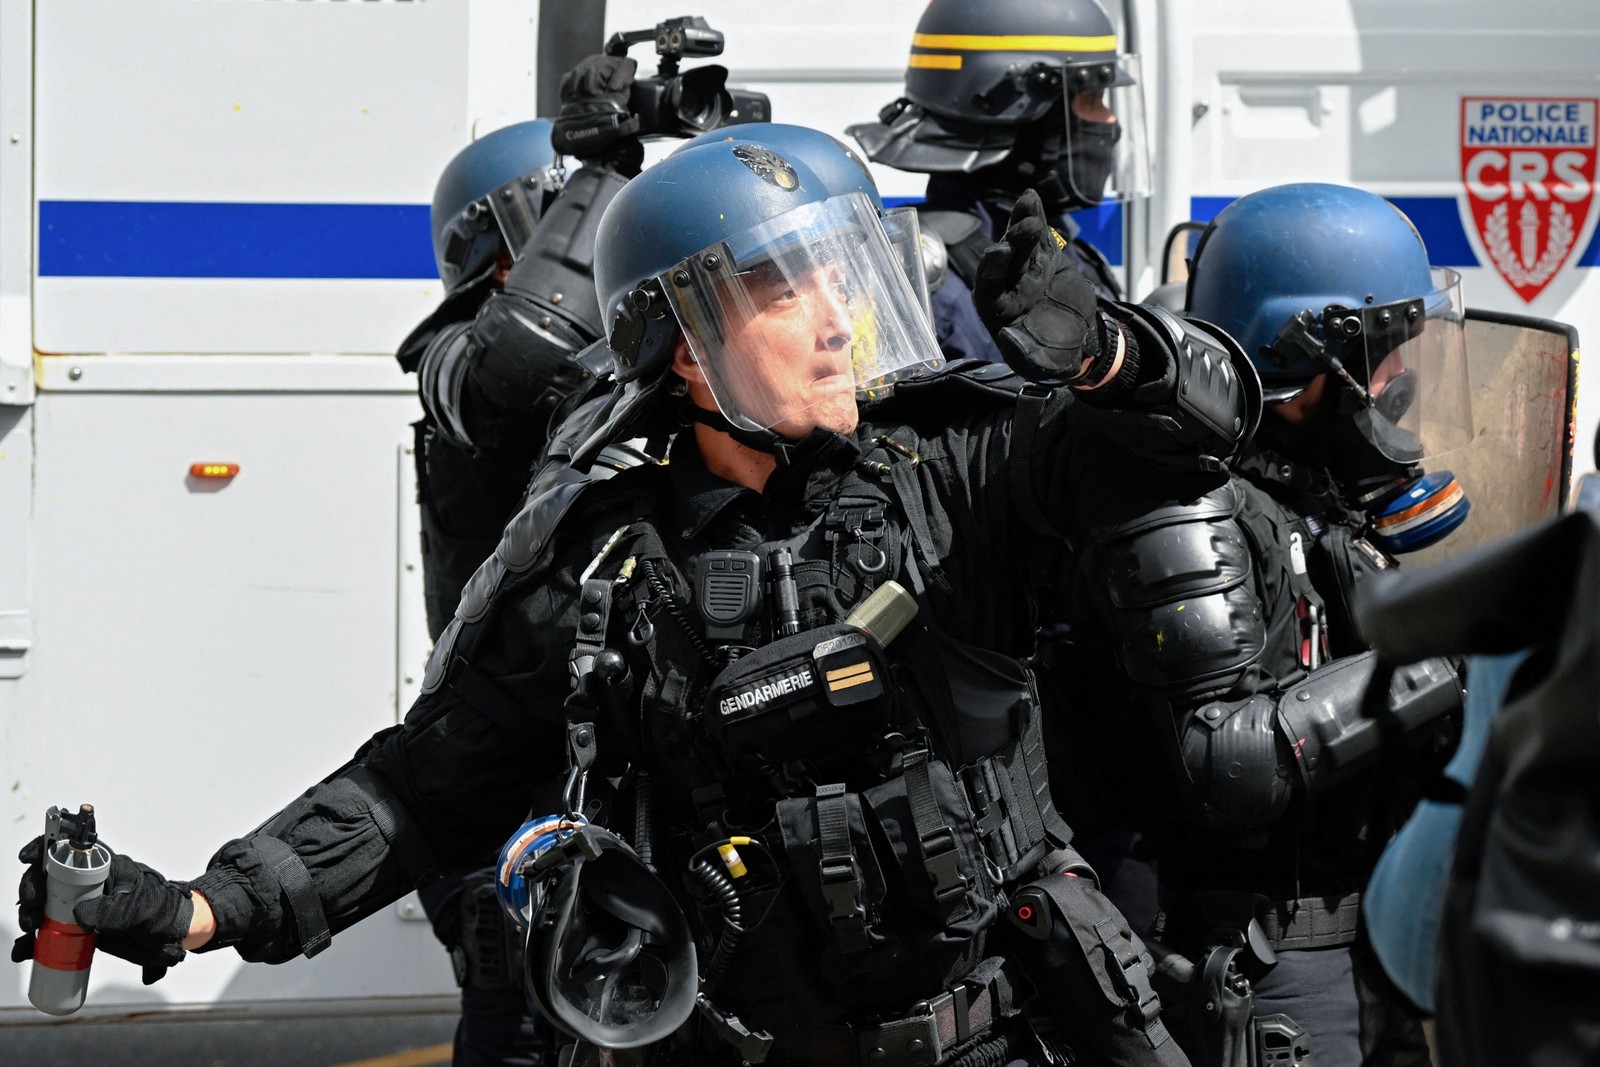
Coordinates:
[674,104]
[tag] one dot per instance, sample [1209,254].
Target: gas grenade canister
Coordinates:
[76,866]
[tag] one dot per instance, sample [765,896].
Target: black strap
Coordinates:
[840,874]
[294,882]
[1010,790]
[905,484]
[395,826]
[935,838]
[1134,977]
[923,1037]
[493,703]
[1019,466]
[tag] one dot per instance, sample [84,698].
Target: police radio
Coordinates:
[76,865]
[808,695]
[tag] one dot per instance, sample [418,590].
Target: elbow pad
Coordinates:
[554,273]
[1249,758]
[1197,400]
[441,375]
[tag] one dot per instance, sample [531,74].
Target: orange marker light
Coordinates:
[213,470]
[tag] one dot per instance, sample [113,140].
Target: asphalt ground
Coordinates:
[412,1038]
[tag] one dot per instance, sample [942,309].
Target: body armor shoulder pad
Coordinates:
[523,545]
[1179,594]
[951,227]
[1222,502]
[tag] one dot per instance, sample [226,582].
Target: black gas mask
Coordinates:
[1090,160]
[1374,464]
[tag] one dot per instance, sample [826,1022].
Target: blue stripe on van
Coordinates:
[1591,255]
[1437,218]
[1101,226]
[138,239]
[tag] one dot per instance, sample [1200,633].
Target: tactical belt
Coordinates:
[1311,922]
[921,1039]
[1288,924]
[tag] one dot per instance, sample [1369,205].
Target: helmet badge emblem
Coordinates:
[768,166]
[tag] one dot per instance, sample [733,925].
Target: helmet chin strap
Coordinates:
[767,441]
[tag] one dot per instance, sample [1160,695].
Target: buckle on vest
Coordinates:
[939,860]
[841,889]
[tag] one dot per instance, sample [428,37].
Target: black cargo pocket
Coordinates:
[926,828]
[831,857]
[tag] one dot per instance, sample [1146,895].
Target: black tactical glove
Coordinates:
[1042,311]
[594,123]
[140,917]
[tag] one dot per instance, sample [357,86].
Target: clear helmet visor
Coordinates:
[796,320]
[517,206]
[1106,158]
[903,227]
[1413,370]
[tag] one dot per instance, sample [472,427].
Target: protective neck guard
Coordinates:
[908,138]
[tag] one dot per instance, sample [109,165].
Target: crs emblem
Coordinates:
[1529,167]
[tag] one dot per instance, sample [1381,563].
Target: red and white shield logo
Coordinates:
[1528,164]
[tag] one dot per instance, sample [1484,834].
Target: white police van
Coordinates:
[214,233]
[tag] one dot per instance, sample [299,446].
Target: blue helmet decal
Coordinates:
[832,160]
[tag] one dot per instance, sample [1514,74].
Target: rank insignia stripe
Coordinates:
[845,677]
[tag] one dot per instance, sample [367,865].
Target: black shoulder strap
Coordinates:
[964,239]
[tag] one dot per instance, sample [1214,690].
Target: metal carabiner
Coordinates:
[861,564]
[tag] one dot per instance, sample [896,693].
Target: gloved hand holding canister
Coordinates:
[133,913]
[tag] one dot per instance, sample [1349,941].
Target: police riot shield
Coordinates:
[1516,468]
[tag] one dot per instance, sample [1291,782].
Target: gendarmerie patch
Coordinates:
[775,690]
[768,166]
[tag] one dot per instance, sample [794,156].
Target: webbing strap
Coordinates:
[1134,977]
[841,876]
[935,838]
[294,882]
[905,483]
[492,702]
[1019,467]
[1014,780]
[389,816]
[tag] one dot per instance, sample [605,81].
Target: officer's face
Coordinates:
[1090,106]
[784,358]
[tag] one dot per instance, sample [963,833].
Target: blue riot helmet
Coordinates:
[489,198]
[1019,94]
[837,164]
[747,255]
[610,959]
[1329,287]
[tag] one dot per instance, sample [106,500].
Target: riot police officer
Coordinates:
[694,650]
[1224,666]
[495,363]
[473,458]
[1002,97]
